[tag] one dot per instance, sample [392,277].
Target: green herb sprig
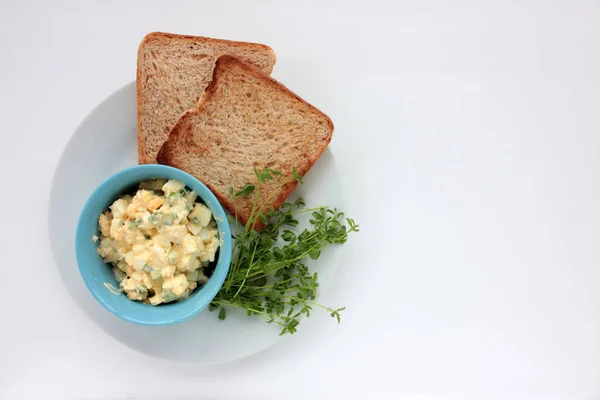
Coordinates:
[267,276]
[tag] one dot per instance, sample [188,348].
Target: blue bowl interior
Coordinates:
[95,272]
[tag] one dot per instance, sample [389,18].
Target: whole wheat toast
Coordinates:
[172,73]
[246,120]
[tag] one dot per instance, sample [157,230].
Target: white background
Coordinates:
[469,134]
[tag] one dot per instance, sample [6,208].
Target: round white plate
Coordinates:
[106,142]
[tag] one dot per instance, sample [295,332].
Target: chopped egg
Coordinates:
[200,215]
[159,241]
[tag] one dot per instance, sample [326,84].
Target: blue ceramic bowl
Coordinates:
[95,272]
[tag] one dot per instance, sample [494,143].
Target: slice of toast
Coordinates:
[172,73]
[246,120]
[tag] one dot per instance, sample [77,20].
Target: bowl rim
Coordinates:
[225,249]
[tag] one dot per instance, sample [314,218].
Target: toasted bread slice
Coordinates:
[246,120]
[172,73]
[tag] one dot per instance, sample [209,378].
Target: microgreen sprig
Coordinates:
[268,276]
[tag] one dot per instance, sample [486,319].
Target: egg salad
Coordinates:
[160,241]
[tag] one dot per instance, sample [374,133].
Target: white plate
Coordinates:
[106,142]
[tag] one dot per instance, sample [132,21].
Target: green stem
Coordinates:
[305,210]
[266,202]
[309,302]
[263,314]
[248,271]
[252,218]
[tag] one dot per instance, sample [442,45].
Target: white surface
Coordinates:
[469,137]
[105,143]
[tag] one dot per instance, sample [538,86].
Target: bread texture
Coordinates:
[172,73]
[246,120]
